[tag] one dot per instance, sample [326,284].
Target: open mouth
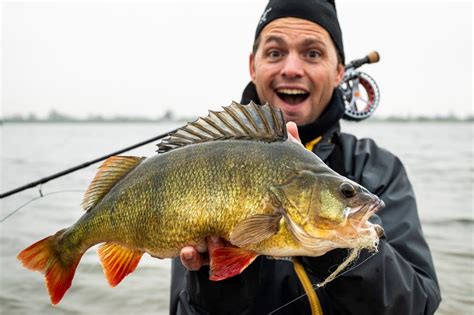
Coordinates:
[363,212]
[292,96]
[358,216]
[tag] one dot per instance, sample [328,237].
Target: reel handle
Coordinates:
[372,57]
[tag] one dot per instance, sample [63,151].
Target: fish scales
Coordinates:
[186,195]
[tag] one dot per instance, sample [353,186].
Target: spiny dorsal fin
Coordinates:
[237,121]
[109,173]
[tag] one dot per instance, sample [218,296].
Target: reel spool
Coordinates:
[360,91]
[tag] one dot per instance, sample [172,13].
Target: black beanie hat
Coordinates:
[318,11]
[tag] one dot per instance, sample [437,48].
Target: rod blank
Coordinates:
[80,166]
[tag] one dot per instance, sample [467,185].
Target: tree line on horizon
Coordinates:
[56,116]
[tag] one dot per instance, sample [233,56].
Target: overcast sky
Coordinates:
[141,59]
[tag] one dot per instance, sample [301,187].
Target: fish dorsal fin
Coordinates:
[109,173]
[237,121]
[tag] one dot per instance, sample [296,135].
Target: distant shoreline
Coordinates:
[169,116]
[86,121]
[183,121]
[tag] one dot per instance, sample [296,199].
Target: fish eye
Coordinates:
[347,190]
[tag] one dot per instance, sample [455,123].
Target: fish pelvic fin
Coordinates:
[44,256]
[109,173]
[227,262]
[118,261]
[236,122]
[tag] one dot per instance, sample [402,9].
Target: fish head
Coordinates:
[319,204]
[338,201]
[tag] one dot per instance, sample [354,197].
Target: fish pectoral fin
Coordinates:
[255,229]
[109,173]
[118,261]
[227,262]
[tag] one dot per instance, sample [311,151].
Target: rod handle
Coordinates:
[373,57]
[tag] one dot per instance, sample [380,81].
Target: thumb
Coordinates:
[293,132]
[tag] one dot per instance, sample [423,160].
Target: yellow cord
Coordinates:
[310,145]
[308,287]
[299,269]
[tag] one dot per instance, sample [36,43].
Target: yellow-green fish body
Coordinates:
[232,174]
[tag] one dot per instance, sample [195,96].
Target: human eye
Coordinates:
[274,54]
[313,54]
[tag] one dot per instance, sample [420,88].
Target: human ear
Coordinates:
[252,67]
[340,70]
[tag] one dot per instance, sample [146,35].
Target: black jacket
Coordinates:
[399,279]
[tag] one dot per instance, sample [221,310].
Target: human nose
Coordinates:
[292,67]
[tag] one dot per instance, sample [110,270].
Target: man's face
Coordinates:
[295,68]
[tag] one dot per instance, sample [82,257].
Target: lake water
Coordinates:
[438,157]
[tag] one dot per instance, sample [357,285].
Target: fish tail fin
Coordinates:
[44,256]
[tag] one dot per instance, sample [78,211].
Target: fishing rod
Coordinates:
[81,166]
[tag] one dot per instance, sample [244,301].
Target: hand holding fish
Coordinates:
[193,259]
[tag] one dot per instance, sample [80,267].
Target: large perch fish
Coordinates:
[233,174]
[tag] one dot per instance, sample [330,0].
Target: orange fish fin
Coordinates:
[118,261]
[42,256]
[255,229]
[227,262]
[109,173]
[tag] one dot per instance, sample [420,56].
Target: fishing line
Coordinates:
[42,195]
[318,285]
[285,305]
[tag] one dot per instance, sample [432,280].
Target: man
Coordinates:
[297,65]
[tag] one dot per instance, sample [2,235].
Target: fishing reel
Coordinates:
[359,90]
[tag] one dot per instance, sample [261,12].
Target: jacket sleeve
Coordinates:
[400,278]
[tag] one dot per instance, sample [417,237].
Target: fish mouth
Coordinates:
[355,232]
[364,211]
[358,218]
[292,96]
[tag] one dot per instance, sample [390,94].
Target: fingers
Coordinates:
[191,259]
[293,132]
